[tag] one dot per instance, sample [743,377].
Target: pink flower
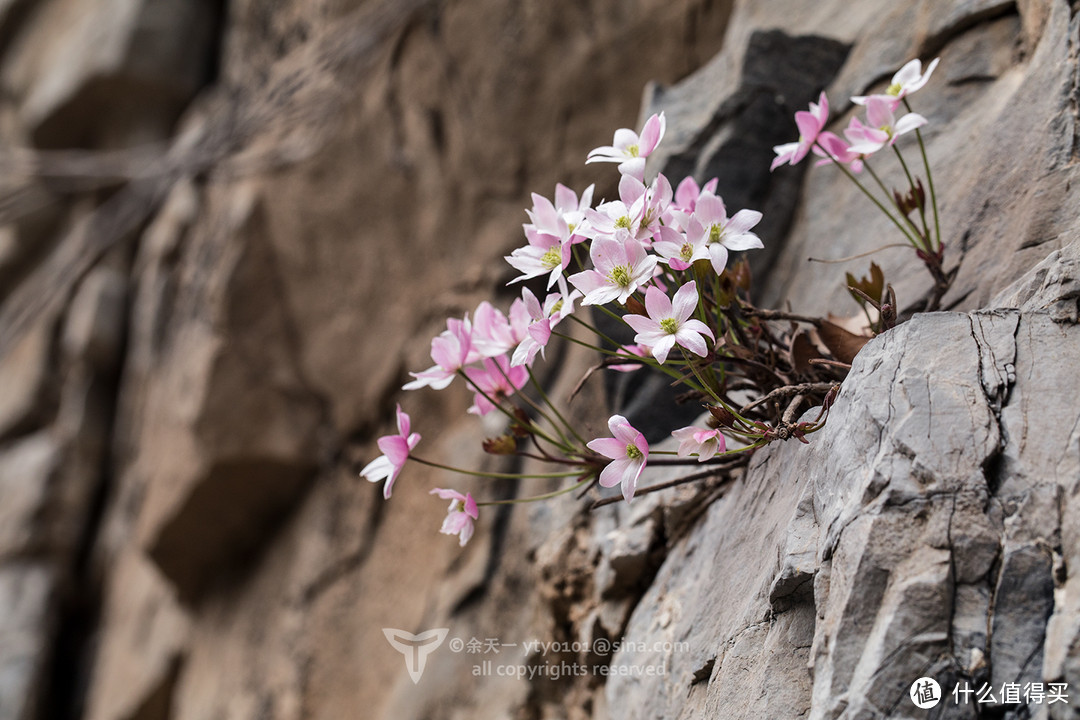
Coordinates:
[628,452]
[556,307]
[907,80]
[497,380]
[882,127]
[495,334]
[451,351]
[629,149]
[680,250]
[460,515]
[396,449]
[725,233]
[636,350]
[686,194]
[621,266]
[836,150]
[704,443]
[809,124]
[669,323]
[544,254]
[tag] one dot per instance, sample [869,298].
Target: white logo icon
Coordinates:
[925,693]
[415,648]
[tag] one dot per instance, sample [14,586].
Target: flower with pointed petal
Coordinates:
[726,233]
[810,124]
[544,254]
[881,128]
[451,351]
[907,80]
[556,307]
[495,334]
[460,515]
[628,452]
[680,250]
[669,323]
[396,449]
[836,150]
[703,443]
[629,149]
[620,267]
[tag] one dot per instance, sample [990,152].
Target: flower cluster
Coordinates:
[657,259]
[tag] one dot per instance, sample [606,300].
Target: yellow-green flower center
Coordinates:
[686,252]
[552,258]
[570,227]
[623,222]
[894,89]
[620,275]
[556,307]
[633,150]
[716,234]
[669,325]
[633,452]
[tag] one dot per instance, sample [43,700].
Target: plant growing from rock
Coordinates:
[659,260]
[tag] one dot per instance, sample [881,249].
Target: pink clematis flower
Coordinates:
[495,334]
[725,233]
[396,449]
[460,515]
[497,380]
[556,306]
[544,254]
[636,350]
[620,267]
[628,452]
[451,351]
[882,128]
[836,150]
[809,124]
[629,149]
[704,443]
[687,193]
[907,80]
[669,323]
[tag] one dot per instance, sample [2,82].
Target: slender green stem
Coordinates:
[922,210]
[497,476]
[513,418]
[867,193]
[885,191]
[929,180]
[546,399]
[564,444]
[545,496]
[595,331]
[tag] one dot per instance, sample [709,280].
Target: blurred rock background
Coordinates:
[228,228]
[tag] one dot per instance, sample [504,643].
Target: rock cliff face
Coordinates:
[230,228]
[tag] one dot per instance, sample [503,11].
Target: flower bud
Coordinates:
[721,415]
[635,307]
[502,445]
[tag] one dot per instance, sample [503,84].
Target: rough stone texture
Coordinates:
[203,330]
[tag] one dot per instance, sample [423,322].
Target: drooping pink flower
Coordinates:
[460,515]
[636,350]
[881,128]
[704,443]
[836,150]
[810,124]
[620,267]
[669,323]
[680,250]
[907,80]
[451,351]
[629,149]
[493,382]
[686,194]
[495,334]
[396,449]
[628,452]
[725,233]
[556,306]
